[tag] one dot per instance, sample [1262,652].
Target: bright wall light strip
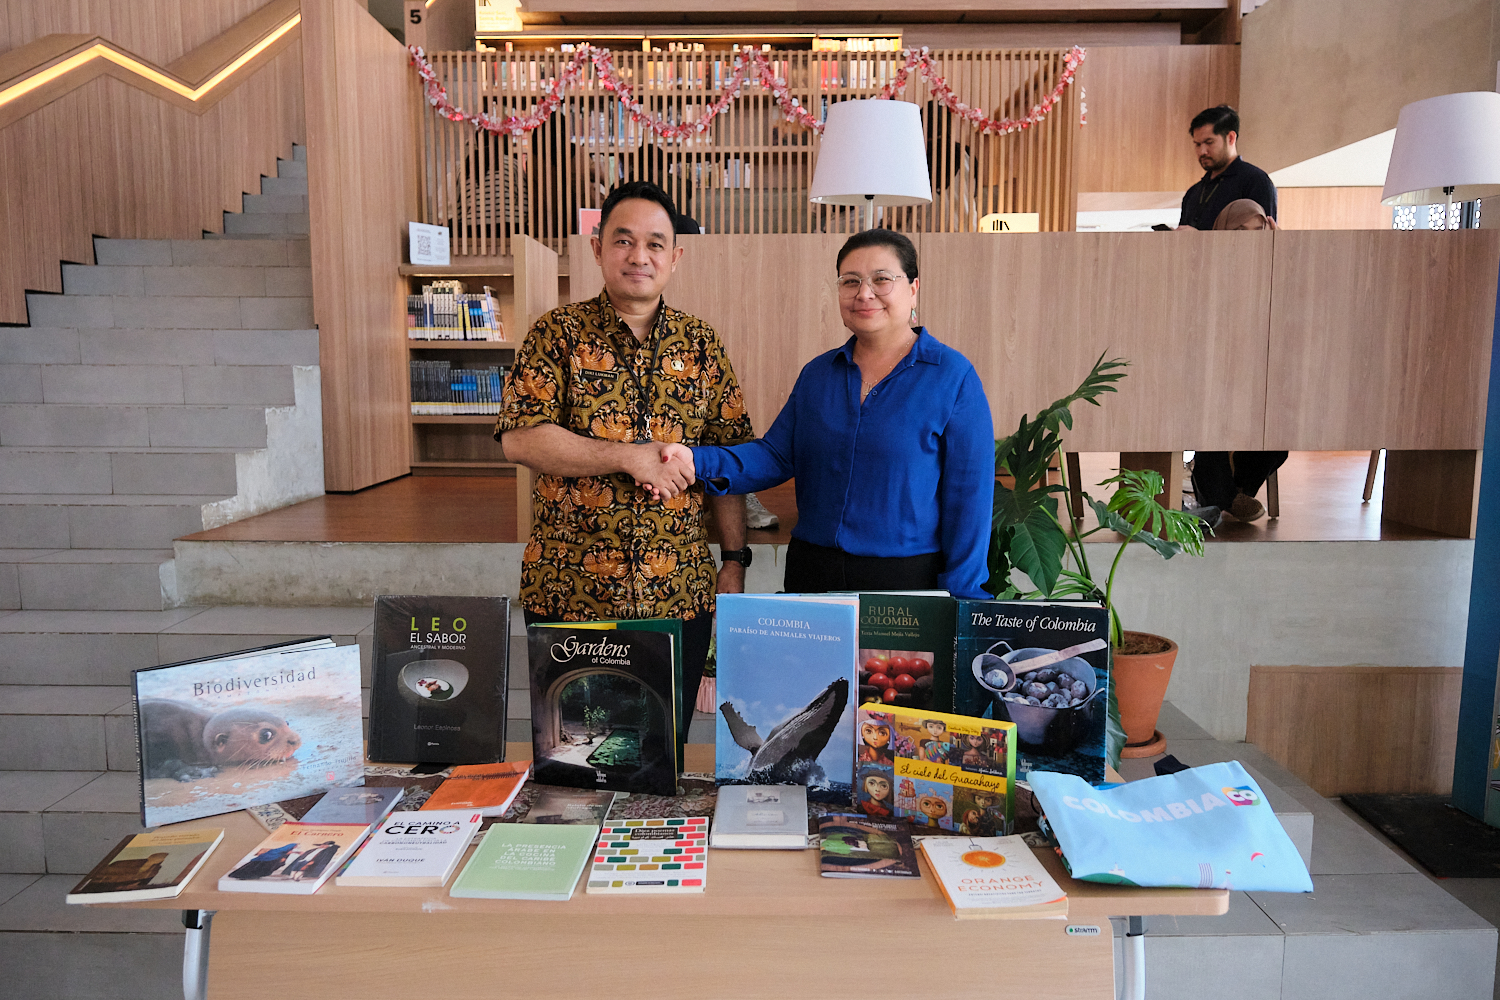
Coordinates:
[101,51]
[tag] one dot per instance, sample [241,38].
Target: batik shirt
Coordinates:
[600,547]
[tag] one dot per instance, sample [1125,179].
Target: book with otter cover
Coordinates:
[230,732]
[603,708]
[438,685]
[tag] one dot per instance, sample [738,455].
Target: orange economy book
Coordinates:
[489,788]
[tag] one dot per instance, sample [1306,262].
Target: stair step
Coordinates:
[287,204]
[99,425]
[186,280]
[299,152]
[266,223]
[171,312]
[283,185]
[88,579]
[262,253]
[165,384]
[81,521]
[80,827]
[291,168]
[66,728]
[38,345]
[159,472]
[192,348]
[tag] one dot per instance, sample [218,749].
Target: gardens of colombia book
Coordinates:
[603,708]
[438,685]
[786,667]
[227,733]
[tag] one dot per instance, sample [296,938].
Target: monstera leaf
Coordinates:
[1027,532]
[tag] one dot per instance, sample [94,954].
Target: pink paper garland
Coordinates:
[603,61]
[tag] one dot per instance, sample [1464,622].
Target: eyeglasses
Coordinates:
[881,283]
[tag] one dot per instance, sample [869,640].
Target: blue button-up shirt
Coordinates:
[909,472]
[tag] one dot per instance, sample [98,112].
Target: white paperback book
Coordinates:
[413,849]
[993,876]
[765,817]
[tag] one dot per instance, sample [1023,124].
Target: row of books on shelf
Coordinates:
[444,311]
[439,389]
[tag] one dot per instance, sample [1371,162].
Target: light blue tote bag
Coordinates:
[1204,828]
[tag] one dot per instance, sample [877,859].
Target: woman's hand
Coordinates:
[668,470]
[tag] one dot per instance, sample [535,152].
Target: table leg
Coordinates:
[1135,959]
[195,954]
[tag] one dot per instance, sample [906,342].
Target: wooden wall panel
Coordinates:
[1358,729]
[1380,340]
[1331,208]
[1141,100]
[158,30]
[361,137]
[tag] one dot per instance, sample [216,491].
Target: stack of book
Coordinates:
[443,311]
[439,389]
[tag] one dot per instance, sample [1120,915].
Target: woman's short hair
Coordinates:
[905,252]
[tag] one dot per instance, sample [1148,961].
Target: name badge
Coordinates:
[595,373]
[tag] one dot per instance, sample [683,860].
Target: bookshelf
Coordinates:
[526,286]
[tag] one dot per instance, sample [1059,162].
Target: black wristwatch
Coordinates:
[741,556]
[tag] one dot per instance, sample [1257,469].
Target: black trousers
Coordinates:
[816,569]
[1217,479]
[695,635]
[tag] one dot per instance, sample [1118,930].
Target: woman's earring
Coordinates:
[913,314]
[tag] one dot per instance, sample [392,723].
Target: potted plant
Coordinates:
[1028,535]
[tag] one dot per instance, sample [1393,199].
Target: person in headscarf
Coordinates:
[1244,213]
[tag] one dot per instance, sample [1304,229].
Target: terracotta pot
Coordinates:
[1140,686]
[708,694]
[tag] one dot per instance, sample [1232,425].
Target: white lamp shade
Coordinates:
[872,148]
[1449,141]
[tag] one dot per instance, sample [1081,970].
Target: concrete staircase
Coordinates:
[173,386]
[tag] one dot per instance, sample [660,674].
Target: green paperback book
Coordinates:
[527,861]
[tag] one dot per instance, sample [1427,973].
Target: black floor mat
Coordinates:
[1444,840]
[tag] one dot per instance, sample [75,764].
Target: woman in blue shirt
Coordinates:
[889,439]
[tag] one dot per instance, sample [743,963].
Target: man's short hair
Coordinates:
[644,190]
[1223,118]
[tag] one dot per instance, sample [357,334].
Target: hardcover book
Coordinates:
[228,732]
[488,788]
[296,859]
[996,878]
[413,849]
[145,866]
[763,817]
[438,686]
[577,806]
[786,667]
[1045,667]
[354,805]
[527,861]
[603,708]
[860,847]
[906,649]
[936,770]
[651,856]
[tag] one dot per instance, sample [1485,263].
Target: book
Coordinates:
[155,865]
[651,856]
[527,861]
[584,806]
[439,669]
[413,849]
[297,858]
[603,708]
[906,648]
[763,817]
[262,725]
[1060,705]
[997,878]
[936,770]
[786,669]
[859,847]
[353,805]
[488,788]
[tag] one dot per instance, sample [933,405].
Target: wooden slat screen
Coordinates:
[751,171]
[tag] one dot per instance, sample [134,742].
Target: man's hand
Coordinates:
[663,470]
[731,578]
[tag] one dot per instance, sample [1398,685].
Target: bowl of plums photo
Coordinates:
[1048,693]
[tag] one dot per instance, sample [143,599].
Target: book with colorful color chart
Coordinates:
[906,648]
[859,847]
[994,878]
[1044,666]
[651,856]
[936,770]
[527,861]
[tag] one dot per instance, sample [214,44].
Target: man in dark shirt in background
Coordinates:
[1228,481]
[1227,177]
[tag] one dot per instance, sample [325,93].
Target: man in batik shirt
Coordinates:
[597,389]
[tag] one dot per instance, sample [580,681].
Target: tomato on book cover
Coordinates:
[906,649]
[438,692]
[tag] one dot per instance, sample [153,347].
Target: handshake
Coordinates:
[662,469]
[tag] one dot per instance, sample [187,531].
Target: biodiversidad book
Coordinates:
[438,685]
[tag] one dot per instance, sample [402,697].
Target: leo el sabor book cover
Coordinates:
[438,686]
[603,708]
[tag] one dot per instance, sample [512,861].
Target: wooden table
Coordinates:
[767,926]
